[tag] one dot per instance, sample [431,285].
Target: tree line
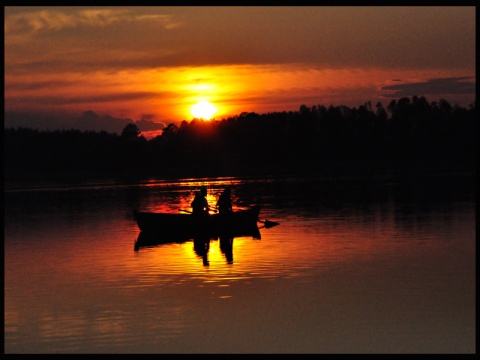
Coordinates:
[409,134]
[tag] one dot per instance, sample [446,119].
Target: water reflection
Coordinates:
[201,246]
[201,241]
[226,246]
[356,260]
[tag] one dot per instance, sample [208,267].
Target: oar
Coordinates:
[189,212]
[214,208]
[268,223]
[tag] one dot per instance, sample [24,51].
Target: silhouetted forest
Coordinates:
[409,134]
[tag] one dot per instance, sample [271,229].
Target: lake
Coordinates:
[357,264]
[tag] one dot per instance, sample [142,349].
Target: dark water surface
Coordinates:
[357,265]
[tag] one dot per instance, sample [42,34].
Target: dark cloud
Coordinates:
[36,85]
[60,100]
[148,125]
[92,121]
[110,97]
[440,86]
[40,121]
[87,121]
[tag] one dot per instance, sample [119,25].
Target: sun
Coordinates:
[203,110]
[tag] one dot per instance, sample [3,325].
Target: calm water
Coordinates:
[355,266]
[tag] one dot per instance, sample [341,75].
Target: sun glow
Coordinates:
[203,110]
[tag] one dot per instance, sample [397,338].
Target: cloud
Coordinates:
[64,100]
[79,39]
[40,121]
[90,120]
[148,125]
[439,86]
[30,23]
[36,85]
[96,36]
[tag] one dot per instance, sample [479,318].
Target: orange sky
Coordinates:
[156,62]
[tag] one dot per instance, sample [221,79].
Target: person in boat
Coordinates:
[224,203]
[200,203]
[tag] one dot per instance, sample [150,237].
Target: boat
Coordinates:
[149,239]
[178,226]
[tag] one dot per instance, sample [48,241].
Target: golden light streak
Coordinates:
[169,93]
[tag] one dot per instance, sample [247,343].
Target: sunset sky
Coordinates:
[155,63]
